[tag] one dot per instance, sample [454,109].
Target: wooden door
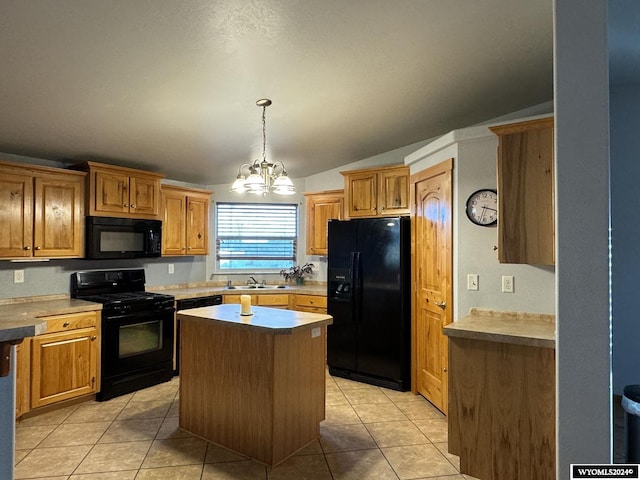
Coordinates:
[58,220]
[174,206]
[361,191]
[197,225]
[63,366]
[16,207]
[432,272]
[143,194]
[393,192]
[111,192]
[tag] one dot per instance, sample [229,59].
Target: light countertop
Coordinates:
[533,329]
[20,318]
[181,292]
[274,320]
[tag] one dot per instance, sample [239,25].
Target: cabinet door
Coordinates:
[174,205]
[63,366]
[144,195]
[361,194]
[111,192]
[23,370]
[321,208]
[525,193]
[58,219]
[310,303]
[393,192]
[16,212]
[197,227]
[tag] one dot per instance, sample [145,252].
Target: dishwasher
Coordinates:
[185,304]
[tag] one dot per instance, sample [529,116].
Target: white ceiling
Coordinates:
[171,85]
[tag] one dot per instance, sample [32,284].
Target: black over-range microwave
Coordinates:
[108,237]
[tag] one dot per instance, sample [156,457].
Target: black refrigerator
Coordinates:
[368,295]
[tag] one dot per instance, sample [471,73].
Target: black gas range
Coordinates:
[137,329]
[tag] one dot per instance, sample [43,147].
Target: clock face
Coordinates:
[482,207]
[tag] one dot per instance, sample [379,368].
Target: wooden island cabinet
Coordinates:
[253,384]
[501,417]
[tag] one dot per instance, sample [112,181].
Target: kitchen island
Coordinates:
[502,394]
[253,384]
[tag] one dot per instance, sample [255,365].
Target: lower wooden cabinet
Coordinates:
[60,364]
[280,300]
[309,303]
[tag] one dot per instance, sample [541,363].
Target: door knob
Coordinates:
[442,305]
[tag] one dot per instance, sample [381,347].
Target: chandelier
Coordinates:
[262,177]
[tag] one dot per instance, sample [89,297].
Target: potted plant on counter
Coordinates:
[297,272]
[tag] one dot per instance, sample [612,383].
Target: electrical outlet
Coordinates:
[18,276]
[472,281]
[171,268]
[507,284]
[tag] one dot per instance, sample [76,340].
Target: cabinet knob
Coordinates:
[27,247]
[188,248]
[65,324]
[93,338]
[38,248]
[126,205]
[133,205]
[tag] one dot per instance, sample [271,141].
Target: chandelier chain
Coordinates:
[264,133]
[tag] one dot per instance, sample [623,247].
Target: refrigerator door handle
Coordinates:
[356,284]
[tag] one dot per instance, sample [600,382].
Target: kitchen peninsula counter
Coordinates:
[502,394]
[253,384]
[19,317]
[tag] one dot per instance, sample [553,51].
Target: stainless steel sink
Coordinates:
[256,287]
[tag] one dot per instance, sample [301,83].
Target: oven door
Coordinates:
[136,341]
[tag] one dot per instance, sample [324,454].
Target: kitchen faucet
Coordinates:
[252,280]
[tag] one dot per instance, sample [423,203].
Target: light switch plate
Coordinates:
[171,268]
[472,281]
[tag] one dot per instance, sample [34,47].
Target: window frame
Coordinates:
[260,206]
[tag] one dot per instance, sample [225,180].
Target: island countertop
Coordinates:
[275,320]
[533,329]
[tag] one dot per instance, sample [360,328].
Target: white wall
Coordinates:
[625,235]
[474,152]
[583,415]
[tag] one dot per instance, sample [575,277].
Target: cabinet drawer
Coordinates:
[61,323]
[269,300]
[311,301]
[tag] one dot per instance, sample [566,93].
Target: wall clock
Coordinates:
[482,207]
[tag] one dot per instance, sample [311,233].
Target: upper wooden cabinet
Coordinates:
[377,192]
[185,221]
[43,212]
[122,192]
[321,207]
[525,192]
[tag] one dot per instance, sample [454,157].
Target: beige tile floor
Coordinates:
[369,433]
